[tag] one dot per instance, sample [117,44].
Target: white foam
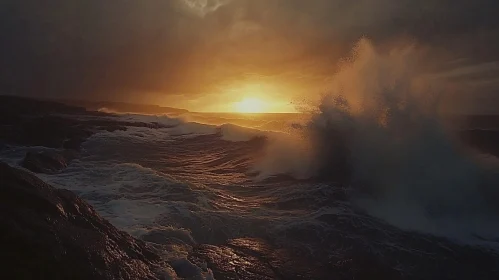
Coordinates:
[382,120]
[160,119]
[123,193]
[129,196]
[132,134]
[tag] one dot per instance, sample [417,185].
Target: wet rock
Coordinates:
[31,122]
[124,107]
[250,258]
[229,263]
[13,105]
[48,162]
[47,233]
[46,131]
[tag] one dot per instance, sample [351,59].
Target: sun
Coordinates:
[250,105]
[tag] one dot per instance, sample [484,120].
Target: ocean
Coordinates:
[387,177]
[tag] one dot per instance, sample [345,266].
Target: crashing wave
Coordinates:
[378,131]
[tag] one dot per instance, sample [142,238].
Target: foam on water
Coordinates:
[191,129]
[374,148]
[134,198]
[130,196]
[378,131]
[113,189]
[160,119]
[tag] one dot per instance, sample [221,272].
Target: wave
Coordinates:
[234,133]
[378,132]
[187,128]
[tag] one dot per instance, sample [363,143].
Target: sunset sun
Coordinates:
[250,105]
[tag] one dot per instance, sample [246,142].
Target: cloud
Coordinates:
[203,7]
[128,50]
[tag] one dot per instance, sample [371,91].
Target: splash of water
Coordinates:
[378,131]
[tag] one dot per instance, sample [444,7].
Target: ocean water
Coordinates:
[368,168]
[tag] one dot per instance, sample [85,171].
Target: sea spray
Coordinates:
[377,132]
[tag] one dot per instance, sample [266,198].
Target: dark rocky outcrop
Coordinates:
[425,257]
[48,233]
[31,122]
[48,162]
[251,258]
[17,105]
[48,131]
[124,107]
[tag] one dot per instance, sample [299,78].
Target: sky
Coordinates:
[198,54]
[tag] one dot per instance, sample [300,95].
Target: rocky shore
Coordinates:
[49,233]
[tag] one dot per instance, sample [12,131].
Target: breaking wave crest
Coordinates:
[378,132]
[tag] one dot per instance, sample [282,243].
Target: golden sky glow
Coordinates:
[242,97]
[251,105]
[246,104]
[207,55]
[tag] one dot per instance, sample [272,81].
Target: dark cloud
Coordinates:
[121,49]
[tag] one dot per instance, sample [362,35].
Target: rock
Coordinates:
[11,105]
[253,258]
[47,131]
[228,262]
[31,122]
[250,258]
[48,233]
[124,107]
[45,162]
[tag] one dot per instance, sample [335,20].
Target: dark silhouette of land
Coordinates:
[123,107]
